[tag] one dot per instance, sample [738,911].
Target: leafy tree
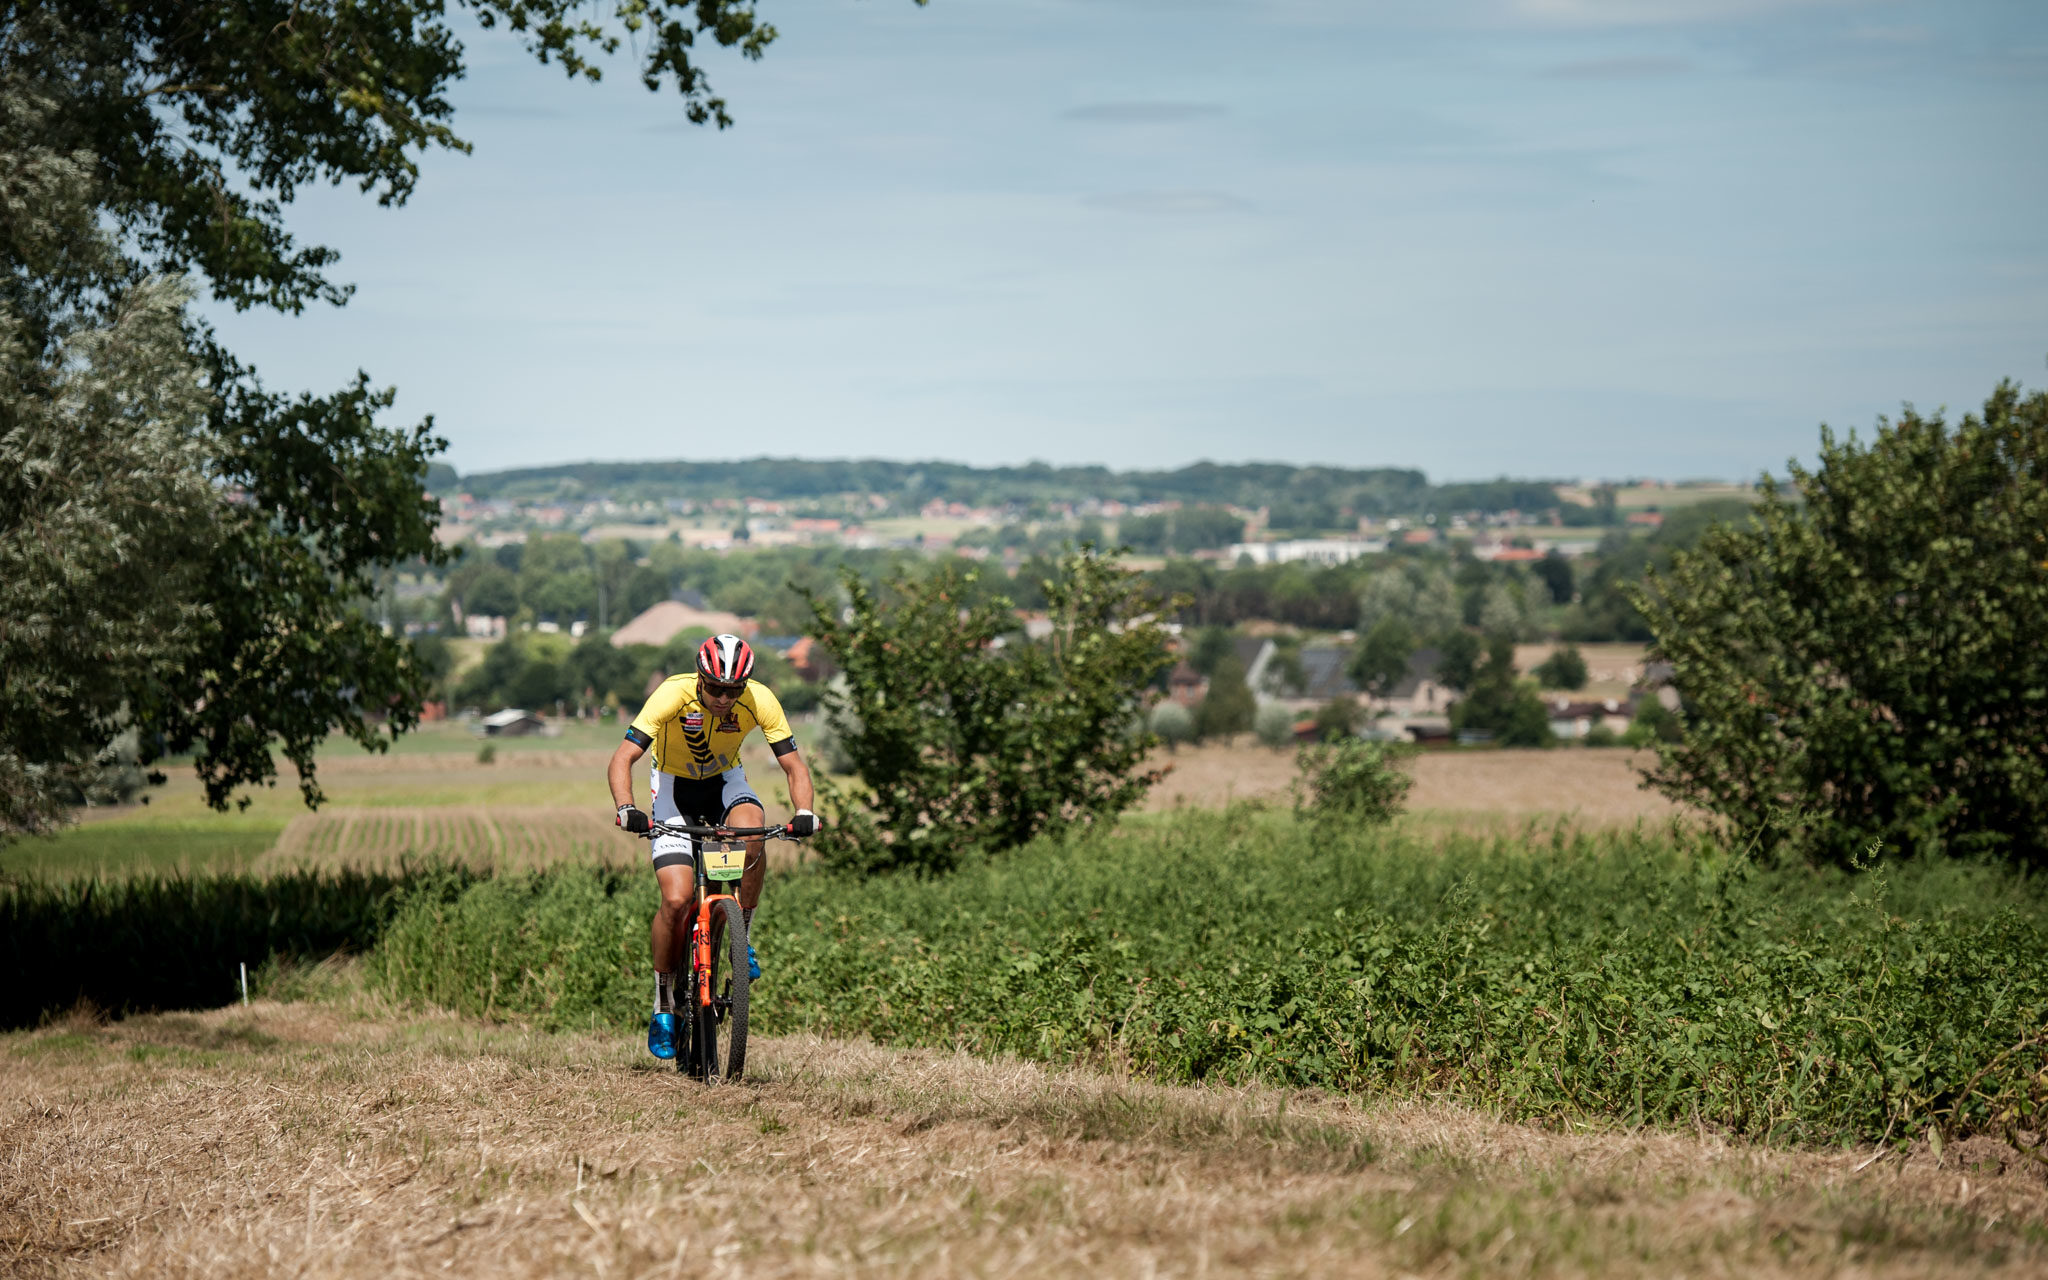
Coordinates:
[1501,705]
[1228,706]
[106,525]
[159,138]
[1653,723]
[1212,645]
[1458,659]
[1565,668]
[607,671]
[1172,724]
[1607,610]
[1422,596]
[1865,666]
[1555,572]
[1381,660]
[1274,725]
[492,593]
[555,578]
[964,744]
[1338,718]
[1185,529]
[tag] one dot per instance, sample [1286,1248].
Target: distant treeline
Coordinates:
[1300,497]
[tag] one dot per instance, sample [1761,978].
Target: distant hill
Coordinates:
[1316,493]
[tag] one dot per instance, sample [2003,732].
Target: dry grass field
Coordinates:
[1597,787]
[344,1139]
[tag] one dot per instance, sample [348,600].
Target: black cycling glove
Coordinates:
[633,820]
[805,823]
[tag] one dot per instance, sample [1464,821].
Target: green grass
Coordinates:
[129,846]
[1624,978]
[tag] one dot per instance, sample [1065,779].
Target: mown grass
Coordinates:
[1635,978]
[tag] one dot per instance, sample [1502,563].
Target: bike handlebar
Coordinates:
[778,832]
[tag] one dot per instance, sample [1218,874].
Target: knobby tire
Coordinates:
[731,970]
[736,964]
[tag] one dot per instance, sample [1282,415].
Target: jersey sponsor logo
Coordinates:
[693,722]
[731,723]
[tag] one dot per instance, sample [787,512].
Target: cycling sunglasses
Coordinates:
[718,690]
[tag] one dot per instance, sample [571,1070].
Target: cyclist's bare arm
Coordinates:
[799,775]
[620,772]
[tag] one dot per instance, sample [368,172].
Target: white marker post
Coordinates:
[245,982]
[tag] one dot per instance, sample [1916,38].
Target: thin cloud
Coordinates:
[1143,112]
[1637,68]
[1649,13]
[1898,35]
[1169,204]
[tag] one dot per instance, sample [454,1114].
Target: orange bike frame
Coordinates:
[703,943]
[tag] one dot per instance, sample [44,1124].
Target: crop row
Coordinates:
[1638,978]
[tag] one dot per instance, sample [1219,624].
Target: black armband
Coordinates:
[638,738]
[783,747]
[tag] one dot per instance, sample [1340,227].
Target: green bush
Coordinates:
[1630,977]
[1357,781]
[1228,707]
[968,736]
[1274,725]
[1867,653]
[1627,977]
[1172,723]
[561,948]
[1500,706]
[1565,668]
[1338,719]
[1653,723]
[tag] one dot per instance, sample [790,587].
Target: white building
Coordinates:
[1313,550]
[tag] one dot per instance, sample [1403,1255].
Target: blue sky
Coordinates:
[1531,237]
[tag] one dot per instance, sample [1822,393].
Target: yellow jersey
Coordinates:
[689,742]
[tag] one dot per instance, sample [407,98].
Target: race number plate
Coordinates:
[724,863]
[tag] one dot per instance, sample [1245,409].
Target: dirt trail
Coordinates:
[350,1141]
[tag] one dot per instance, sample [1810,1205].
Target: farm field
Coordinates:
[348,1139]
[547,795]
[1597,787]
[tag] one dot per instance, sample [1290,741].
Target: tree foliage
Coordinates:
[1350,779]
[1865,664]
[1565,668]
[1500,705]
[149,140]
[966,736]
[107,522]
[1228,706]
[1381,659]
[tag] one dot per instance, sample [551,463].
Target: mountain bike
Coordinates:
[716,993]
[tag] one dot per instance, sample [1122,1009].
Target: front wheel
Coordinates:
[734,998]
[728,1004]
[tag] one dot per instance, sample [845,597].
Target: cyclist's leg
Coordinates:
[675,875]
[675,872]
[743,809]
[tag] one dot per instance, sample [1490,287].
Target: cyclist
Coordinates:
[695,722]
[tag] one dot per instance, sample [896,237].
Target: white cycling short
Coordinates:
[699,801]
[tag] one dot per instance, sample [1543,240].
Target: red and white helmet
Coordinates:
[725,659]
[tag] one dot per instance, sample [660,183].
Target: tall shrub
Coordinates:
[969,736]
[1864,663]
